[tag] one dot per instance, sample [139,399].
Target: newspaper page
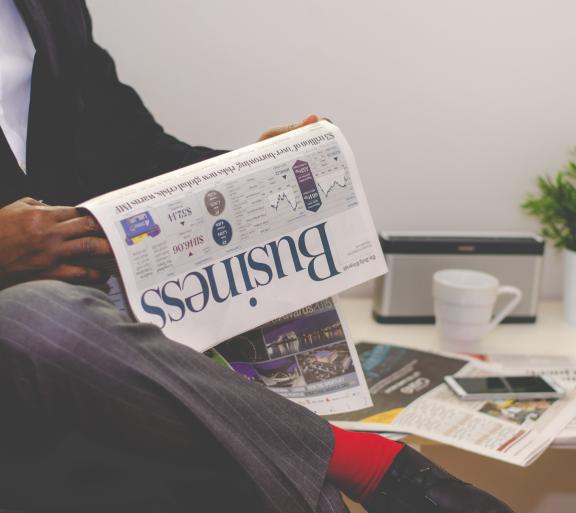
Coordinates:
[561,368]
[223,246]
[409,396]
[305,356]
[566,439]
[396,377]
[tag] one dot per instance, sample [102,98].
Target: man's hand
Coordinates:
[273,132]
[43,242]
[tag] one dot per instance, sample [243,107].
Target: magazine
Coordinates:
[305,356]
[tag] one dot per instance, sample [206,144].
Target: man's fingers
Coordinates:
[61,214]
[273,132]
[31,201]
[79,227]
[85,246]
[308,120]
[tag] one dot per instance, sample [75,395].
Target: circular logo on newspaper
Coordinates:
[222,232]
[215,202]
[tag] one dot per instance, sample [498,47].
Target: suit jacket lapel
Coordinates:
[41,150]
[50,174]
[34,15]
[13,182]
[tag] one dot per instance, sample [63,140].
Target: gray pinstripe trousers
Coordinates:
[102,414]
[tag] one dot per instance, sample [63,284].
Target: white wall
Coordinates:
[452,106]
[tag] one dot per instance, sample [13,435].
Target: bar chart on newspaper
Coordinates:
[286,197]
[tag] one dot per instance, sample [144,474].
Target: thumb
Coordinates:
[308,120]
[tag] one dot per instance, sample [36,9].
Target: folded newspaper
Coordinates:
[561,368]
[410,396]
[219,248]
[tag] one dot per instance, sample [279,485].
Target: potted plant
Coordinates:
[555,207]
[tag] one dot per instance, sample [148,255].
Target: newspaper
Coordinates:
[223,246]
[567,437]
[305,356]
[233,251]
[561,368]
[409,396]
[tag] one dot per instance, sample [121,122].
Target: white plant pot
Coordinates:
[570,286]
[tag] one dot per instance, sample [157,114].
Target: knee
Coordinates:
[30,289]
[36,304]
[35,295]
[51,321]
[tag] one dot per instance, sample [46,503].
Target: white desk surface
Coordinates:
[550,335]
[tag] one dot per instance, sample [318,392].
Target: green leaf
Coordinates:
[555,206]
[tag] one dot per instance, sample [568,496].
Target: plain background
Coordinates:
[453,107]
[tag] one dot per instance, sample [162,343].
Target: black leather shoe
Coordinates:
[413,484]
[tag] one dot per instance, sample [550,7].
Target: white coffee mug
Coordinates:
[464,306]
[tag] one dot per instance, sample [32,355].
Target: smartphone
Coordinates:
[504,387]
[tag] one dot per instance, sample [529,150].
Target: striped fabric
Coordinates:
[99,413]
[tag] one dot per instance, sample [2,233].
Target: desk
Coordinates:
[550,335]
[549,484]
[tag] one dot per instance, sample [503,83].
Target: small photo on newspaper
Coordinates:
[305,356]
[396,377]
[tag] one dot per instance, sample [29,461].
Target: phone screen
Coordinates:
[499,385]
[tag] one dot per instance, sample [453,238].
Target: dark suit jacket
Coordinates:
[88,133]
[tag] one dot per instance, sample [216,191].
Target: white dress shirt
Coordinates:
[16,59]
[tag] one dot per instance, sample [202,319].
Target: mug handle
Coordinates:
[506,309]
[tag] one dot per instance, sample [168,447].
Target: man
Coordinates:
[102,414]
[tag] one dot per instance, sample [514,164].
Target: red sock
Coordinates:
[359,462]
